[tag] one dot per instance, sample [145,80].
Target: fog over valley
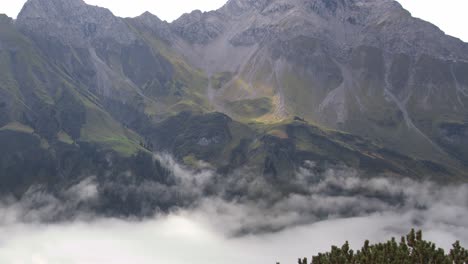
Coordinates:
[340,206]
[178,239]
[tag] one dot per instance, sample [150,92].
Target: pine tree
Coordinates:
[411,249]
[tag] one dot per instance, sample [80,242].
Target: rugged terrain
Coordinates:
[267,86]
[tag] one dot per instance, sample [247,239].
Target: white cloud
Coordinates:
[182,238]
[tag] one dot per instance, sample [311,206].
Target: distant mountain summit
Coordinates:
[266,85]
[367,67]
[72,21]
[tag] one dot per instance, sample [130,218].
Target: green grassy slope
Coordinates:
[43,98]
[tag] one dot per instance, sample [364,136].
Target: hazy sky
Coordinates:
[449,15]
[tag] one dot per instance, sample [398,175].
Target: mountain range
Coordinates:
[268,85]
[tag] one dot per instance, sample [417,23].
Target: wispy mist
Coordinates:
[185,238]
[238,218]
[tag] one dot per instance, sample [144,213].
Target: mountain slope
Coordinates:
[366,67]
[266,85]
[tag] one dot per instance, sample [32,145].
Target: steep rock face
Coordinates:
[240,7]
[52,129]
[73,22]
[77,75]
[152,23]
[31,86]
[367,67]
[198,27]
[99,49]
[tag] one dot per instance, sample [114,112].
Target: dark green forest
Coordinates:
[412,249]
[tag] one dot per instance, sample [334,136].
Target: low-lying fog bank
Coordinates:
[259,224]
[188,237]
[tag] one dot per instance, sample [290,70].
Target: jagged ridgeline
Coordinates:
[411,249]
[268,85]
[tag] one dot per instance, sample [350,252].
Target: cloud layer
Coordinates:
[239,218]
[187,238]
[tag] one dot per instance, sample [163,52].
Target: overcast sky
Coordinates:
[449,15]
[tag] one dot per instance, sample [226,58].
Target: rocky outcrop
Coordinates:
[198,27]
[240,7]
[152,23]
[98,49]
[72,22]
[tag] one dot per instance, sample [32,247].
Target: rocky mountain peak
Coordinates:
[149,16]
[237,7]
[150,20]
[152,23]
[199,27]
[49,8]
[72,21]
[5,19]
